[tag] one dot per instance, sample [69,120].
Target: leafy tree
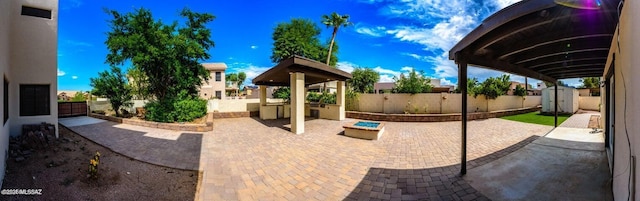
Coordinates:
[495,86]
[299,37]
[473,87]
[520,91]
[336,21]
[114,86]
[139,83]
[282,93]
[560,83]
[79,97]
[414,83]
[241,77]
[363,80]
[590,82]
[168,54]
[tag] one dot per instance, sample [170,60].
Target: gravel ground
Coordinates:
[61,171]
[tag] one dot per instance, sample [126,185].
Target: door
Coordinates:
[610,108]
[553,100]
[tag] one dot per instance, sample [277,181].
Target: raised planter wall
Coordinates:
[436,117]
[169,126]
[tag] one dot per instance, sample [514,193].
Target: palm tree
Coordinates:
[336,21]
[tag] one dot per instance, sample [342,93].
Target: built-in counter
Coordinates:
[279,111]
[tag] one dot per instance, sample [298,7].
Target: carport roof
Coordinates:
[315,72]
[542,40]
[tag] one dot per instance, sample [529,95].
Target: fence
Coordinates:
[70,109]
[443,103]
[589,103]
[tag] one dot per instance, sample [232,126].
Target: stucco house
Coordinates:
[216,86]
[28,64]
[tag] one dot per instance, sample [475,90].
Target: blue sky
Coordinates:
[388,36]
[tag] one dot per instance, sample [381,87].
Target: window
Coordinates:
[218,76]
[6,101]
[34,100]
[36,12]
[219,94]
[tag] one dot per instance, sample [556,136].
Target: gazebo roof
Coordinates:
[315,72]
[542,40]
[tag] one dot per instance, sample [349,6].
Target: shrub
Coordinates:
[182,109]
[282,93]
[351,100]
[93,165]
[328,98]
[313,97]
[188,109]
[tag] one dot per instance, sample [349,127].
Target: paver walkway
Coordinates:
[579,120]
[157,146]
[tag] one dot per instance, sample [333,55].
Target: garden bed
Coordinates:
[206,124]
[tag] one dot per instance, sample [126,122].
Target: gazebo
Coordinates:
[298,73]
[543,39]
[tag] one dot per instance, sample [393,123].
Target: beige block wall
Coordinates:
[443,103]
[589,103]
[627,98]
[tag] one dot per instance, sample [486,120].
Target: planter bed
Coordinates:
[169,126]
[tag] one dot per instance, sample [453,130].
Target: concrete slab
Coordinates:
[564,165]
[78,121]
[573,138]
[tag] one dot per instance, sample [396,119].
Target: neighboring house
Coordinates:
[541,85]
[386,87]
[28,64]
[383,87]
[589,92]
[67,95]
[216,86]
[331,87]
[253,92]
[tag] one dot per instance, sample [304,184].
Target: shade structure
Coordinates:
[542,39]
[315,72]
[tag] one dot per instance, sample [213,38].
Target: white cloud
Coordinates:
[78,43]
[378,31]
[386,78]
[61,73]
[346,66]
[416,56]
[386,71]
[504,3]
[254,47]
[74,77]
[444,81]
[406,69]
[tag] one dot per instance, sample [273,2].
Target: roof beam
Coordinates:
[509,68]
[597,65]
[562,52]
[550,39]
[534,67]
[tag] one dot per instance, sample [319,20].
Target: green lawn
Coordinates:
[537,118]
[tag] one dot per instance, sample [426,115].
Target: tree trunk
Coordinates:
[333,38]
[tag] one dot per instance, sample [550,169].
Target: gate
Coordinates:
[70,109]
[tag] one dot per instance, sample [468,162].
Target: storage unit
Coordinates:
[567,100]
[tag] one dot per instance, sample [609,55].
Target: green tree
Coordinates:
[169,55]
[114,86]
[139,83]
[363,80]
[473,87]
[241,78]
[520,91]
[336,21]
[299,37]
[495,86]
[282,93]
[590,82]
[79,96]
[413,83]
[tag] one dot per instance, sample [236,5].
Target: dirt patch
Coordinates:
[594,121]
[61,171]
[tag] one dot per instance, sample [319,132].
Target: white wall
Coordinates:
[627,98]
[237,105]
[34,59]
[28,54]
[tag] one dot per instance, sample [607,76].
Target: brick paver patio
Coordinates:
[250,159]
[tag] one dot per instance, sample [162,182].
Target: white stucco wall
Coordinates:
[34,58]
[627,98]
[28,55]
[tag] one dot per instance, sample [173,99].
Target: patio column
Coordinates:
[462,84]
[526,86]
[297,102]
[340,99]
[263,95]
[555,101]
